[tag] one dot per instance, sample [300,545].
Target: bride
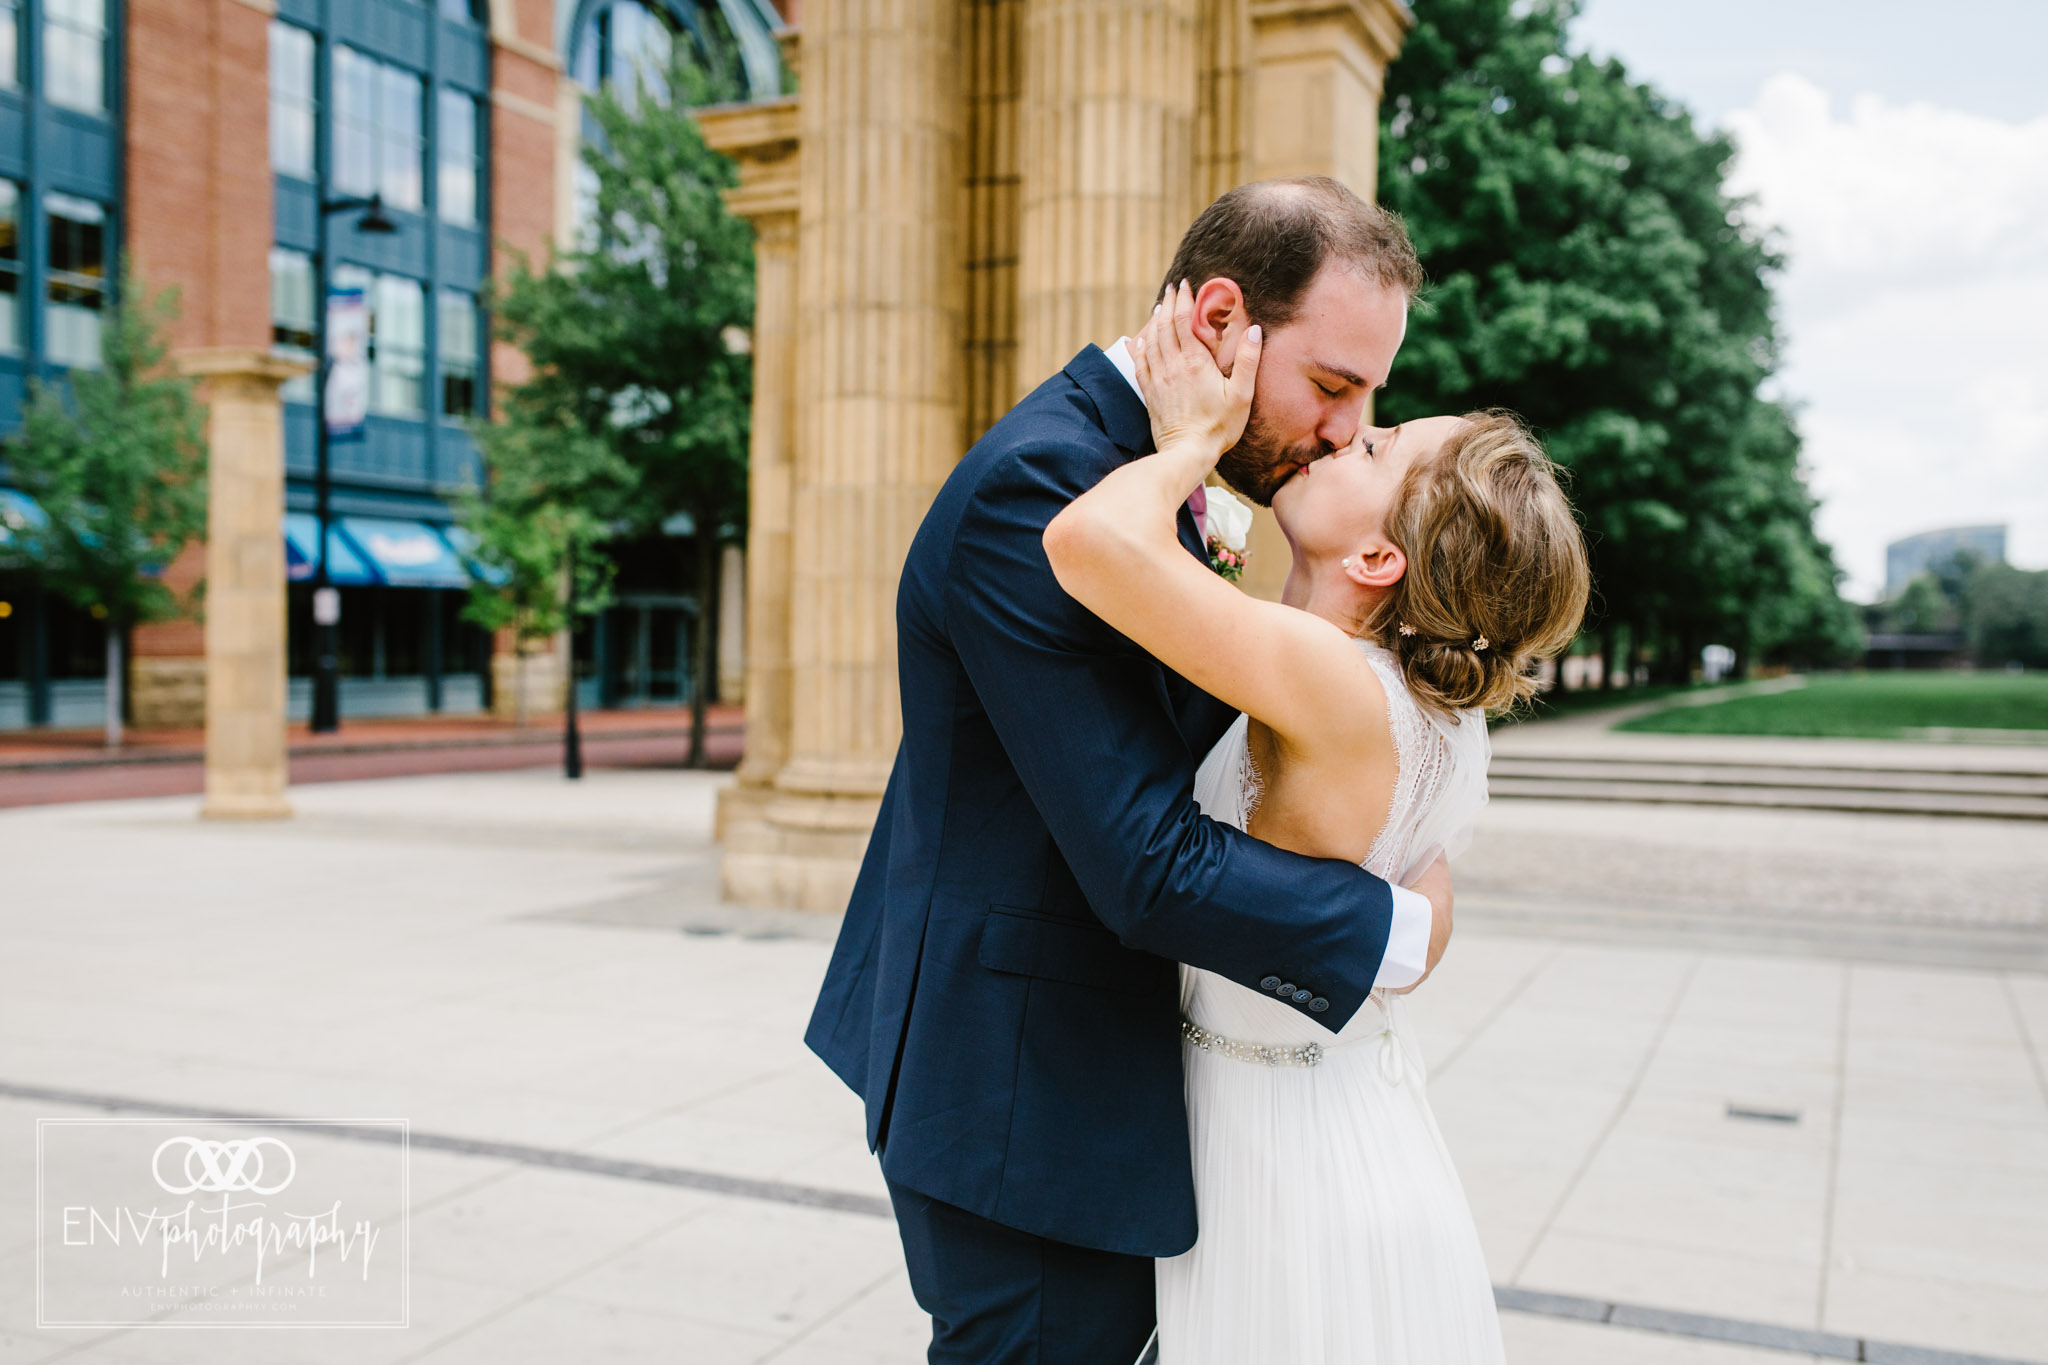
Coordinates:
[1433,563]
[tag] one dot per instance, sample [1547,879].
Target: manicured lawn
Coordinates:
[1869,706]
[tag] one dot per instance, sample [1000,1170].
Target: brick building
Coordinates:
[208,140]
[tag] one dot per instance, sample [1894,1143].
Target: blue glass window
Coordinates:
[379,142]
[455,158]
[460,353]
[292,110]
[10,45]
[398,339]
[10,267]
[75,54]
[294,325]
[77,230]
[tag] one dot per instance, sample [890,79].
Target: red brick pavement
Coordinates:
[45,767]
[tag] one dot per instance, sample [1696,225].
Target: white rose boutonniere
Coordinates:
[1225,524]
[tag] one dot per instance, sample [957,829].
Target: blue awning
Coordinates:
[464,541]
[406,554]
[18,513]
[302,553]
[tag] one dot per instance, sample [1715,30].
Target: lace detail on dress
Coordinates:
[1423,756]
[1251,787]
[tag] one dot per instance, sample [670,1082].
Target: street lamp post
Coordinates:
[326,598]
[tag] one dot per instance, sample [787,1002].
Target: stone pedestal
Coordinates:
[531,685]
[245,591]
[167,693]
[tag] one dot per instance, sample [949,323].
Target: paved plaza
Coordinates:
[1743,1070]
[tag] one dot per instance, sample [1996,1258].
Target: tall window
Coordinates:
[292,115]
[461,10]
[78,280]
[459,353]
[294,325]
[10,267]
[455,158]
[75,54]
[10,45]
[398,339]
[378,139]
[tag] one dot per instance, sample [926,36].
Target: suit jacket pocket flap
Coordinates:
[1061,950]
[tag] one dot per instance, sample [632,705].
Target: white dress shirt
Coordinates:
[1407,956]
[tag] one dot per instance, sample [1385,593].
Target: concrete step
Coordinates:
[1786,796]
[1845,778]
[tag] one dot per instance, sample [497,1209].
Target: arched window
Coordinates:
[613,40]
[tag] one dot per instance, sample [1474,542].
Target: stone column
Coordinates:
[1106,124]
[1318,67]
[764,140]
[1223,133]
[878,418]
[245,590]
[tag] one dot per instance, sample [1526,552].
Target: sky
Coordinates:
[1901,151]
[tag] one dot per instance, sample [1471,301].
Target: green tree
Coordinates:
[2006,612]
[1591,272]
[637,406]
[117,458]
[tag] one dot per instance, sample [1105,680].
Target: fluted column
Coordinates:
[878,417]
[245,606]
[764,140]
[1317,70]
[1106,127]
[1320,66]
[1223,132]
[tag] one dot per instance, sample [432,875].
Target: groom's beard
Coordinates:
[1260,462]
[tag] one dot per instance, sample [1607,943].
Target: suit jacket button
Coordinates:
[1271,983]
[1303,997]
[1284,989]
[1318,1005]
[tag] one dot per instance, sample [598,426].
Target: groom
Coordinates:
[1004,994]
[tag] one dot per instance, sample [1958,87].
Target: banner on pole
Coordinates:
[346,401]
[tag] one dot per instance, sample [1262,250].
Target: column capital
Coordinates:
[764,138]
[1378,26]
[252,369]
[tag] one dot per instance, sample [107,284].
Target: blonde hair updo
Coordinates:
[1495,556]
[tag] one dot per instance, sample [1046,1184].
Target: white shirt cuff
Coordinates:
[1407,941]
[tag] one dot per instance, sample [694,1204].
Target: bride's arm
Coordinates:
[1115,550]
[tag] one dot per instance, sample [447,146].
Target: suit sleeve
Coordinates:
[1087,721]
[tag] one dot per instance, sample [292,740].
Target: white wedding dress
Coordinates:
[1333,1227]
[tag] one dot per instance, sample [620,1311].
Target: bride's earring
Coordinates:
[1345,564]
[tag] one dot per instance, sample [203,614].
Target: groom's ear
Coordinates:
[1220,319]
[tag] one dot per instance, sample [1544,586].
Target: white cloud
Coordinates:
[1915,310]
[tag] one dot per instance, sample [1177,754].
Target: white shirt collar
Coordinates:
[1119,354]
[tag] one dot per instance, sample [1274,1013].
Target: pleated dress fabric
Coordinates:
[1334,1230]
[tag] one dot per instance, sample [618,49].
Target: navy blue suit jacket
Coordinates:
[1003,993]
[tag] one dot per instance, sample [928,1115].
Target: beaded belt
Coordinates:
[1298,1054]
[1265,1054]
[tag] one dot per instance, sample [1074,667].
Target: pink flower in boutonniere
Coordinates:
[1225,524]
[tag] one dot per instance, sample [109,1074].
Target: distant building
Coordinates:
[1905,560]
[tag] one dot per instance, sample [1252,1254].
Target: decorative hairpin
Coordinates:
[1481,643]
[1407,629]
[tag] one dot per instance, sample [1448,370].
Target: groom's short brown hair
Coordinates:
[1273,236]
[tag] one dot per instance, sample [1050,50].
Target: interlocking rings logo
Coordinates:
[225,1167]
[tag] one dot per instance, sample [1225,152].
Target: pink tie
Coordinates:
[1198,503]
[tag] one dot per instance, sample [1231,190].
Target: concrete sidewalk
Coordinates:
[1775,1136]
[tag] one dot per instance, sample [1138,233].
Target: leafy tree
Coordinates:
[117,458]
[2007,612]
[1591,272]
[638,401]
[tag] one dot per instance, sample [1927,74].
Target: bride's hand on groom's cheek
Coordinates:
[1190,400]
